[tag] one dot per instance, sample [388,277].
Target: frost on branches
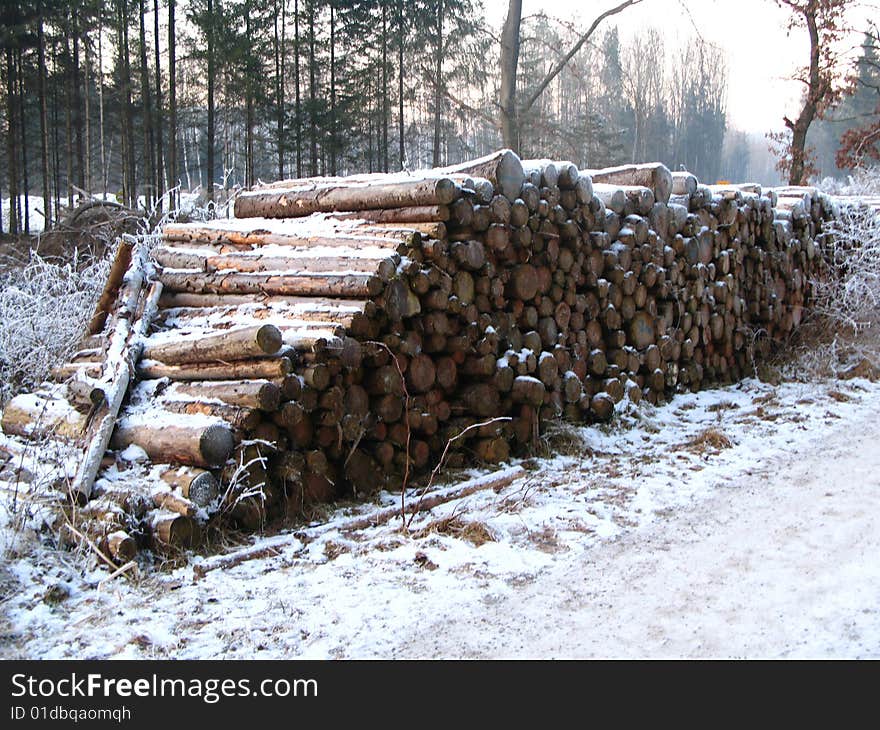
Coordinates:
[44,309]
[852,295]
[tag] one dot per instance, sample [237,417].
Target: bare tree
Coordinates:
[511,110]
[822,78]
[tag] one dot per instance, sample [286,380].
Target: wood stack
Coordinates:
[338,334]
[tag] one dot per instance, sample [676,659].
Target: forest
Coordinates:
[138,98]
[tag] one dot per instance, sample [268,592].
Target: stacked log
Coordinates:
[340,335]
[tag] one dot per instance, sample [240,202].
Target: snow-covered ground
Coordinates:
[736,522]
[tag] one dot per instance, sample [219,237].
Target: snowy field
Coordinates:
[738,522]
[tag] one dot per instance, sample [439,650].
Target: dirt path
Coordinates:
[783,563]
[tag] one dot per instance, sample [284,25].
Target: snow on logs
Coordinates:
[339,333]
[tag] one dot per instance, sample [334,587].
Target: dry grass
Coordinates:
[476,533]
[722,406]
[710,440]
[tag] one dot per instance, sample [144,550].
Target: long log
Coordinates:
[230,345]
[35,417]
[282,283]
[305,200]
[121,262]
[654,175]
[381,262]
[416,214]
[503,169]
[170,438]
[308,308]
[238,236]
[244,370]
[262,394]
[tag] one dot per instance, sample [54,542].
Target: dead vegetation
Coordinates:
[475,532]
[709,441]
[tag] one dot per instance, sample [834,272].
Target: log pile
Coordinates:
[339,333]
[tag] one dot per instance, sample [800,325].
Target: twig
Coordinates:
[271,547]
[119,571]
[443,458]
[92,545]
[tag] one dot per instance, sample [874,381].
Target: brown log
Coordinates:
[172,531]
[307,199]
[240,418]
[641,330]
[174,503]
[243,369]
[229,345]
[684,183]
[655,176]
[612,197]
[295,262]
[339,284]
[177,439]
[34,416]
[262,394]
[121,262]
[412,214]
[528,390]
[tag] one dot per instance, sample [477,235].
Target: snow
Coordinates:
[642,537]
[280,251]
[35,213]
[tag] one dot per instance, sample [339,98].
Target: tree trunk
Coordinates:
[509,64]
[400,71]
[438,81]
[800,127]
[129,181]
[298,96]
[209,178]
[44,121]
[313,97]
[22,116]
[160,142]
[12,153]
[147,107]
[172,102]
[77,107]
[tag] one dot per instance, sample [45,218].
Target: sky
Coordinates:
[750,34]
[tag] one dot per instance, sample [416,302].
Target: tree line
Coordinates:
[138,98]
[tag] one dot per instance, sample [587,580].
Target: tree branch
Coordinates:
[554,72]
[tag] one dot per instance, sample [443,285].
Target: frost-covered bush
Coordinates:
[44,309]
[851,294]
[863,181]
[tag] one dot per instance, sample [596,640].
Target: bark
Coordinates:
[177,439]
[44,121]
[330,198]
[261,394]
[242,370]
[226,346]
[172,100]
[510,40]
[342,284]
[160,142]
[211,80]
